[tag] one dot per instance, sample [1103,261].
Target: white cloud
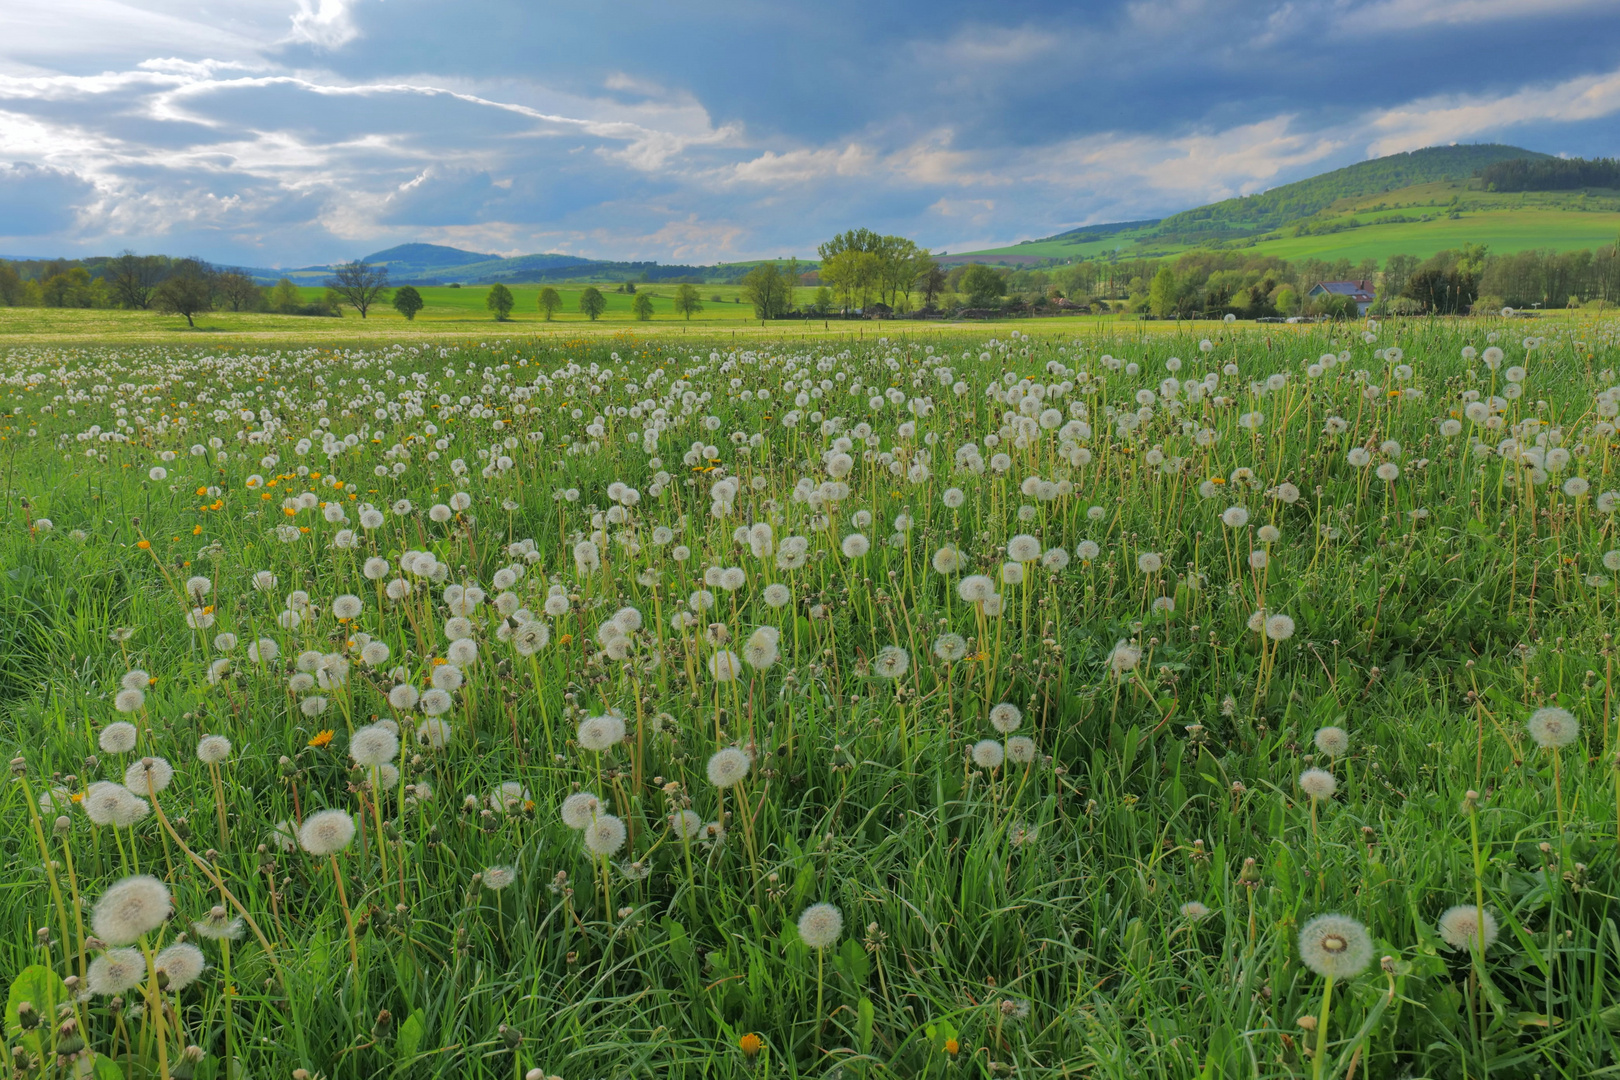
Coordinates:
[1437,120]
[325,24]
[801,166]
[1387,15]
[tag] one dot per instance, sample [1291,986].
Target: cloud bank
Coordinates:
[287,132]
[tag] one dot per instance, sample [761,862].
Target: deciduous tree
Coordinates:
[499,301]
[688,301]
[549,302]
[188,291]
[133,278]
[407,301]
[359,284]
[592,302]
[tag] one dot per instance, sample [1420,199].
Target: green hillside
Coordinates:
[1414,204]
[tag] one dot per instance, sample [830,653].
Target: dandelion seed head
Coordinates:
[1553,727]
[130,908]
[1460,927]
[326,832]
[727,767]
[118,737]
[600,733]
[604,835]
[820,925]
[1318,783]
[182,962]
[1335,946]
[116,971]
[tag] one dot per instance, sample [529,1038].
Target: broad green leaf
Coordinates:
[409,1038]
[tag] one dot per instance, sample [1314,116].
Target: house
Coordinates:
[1362,292]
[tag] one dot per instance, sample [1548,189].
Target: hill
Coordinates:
[1413,203]
[436,264]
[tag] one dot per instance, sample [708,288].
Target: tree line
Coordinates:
[181,286]
[1551,174]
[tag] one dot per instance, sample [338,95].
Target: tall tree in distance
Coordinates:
[768,290]
[285,298]
[550,301]
[407,301]
[188,291]
[931,281]
[688,301]
[499,301]
[592,302]
[642,305]
[134,278]
[359,284]
[238,291]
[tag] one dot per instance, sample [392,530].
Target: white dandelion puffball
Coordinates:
[373,745]
[777,595]
[1335,946]
[129,699]
[1460,927]
[497,878]
[1125,657]
[599,733]
[1318,783]
[404,696]
[1149,562]
[891,662]
[435,733]
[1006,717]
[436,702]
[213,749]
[1235,517]
[115,971]
[118,737]
[727,767]
[976,588]
[132,907]
[1279,628]
[820,925]
[950,647]
[148,775]
[855,545]
[1553,727]
[1333,741]
[604,835]
[326,833]
[1023,548]
[107,803]
[1021,750]
[988,754]
[182,962]
[725,666]
[579,809]
[686,824]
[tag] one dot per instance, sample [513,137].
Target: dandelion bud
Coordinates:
[1307,1022]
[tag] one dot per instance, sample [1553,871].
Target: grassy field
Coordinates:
[1505,223]
[921,706]
[462,318]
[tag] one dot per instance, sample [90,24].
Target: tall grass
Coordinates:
[1126,904]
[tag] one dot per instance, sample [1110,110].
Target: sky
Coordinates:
[281,133]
